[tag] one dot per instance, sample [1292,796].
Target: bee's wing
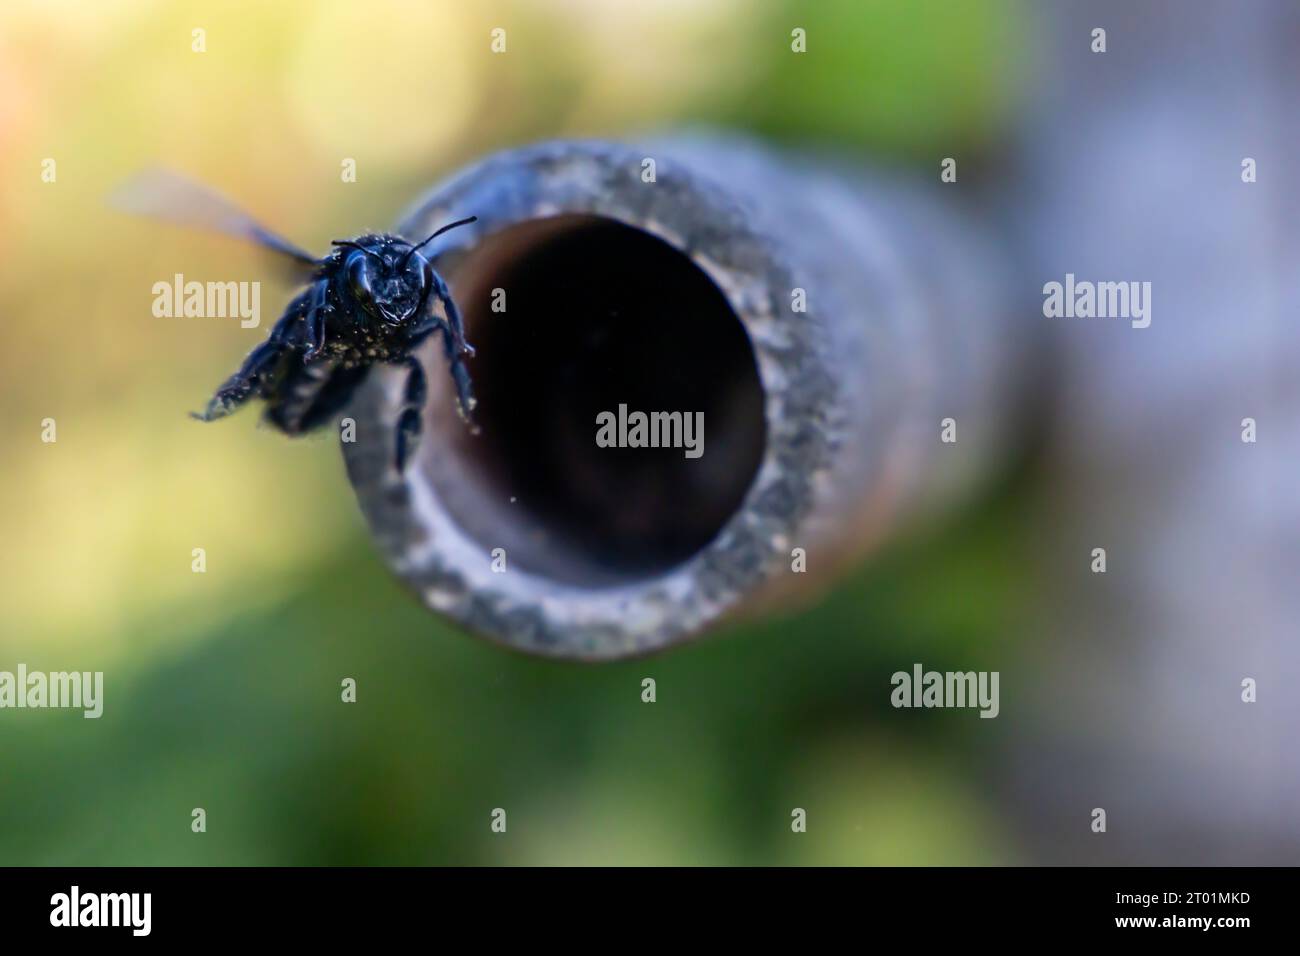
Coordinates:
[170,197]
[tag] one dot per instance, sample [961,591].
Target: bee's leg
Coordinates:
[253,377]
[460,375]
[314,320]
[410,420]
[454,323]
[457,350]
[246,383]
[454,346]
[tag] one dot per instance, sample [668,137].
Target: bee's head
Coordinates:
[389,276]
[388,279]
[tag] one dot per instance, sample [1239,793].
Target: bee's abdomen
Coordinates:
[310,394]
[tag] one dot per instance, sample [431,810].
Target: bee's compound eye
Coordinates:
[359,276]
[415,266]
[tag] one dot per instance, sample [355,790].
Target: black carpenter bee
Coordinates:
[370,300]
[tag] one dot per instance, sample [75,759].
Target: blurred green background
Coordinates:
[222,689]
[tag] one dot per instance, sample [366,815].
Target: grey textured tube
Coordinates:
[825,324]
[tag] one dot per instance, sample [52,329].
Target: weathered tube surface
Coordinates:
[845,341]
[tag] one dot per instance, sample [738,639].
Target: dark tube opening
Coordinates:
[573,317]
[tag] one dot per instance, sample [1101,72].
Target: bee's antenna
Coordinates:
[356,245]
[453,225]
